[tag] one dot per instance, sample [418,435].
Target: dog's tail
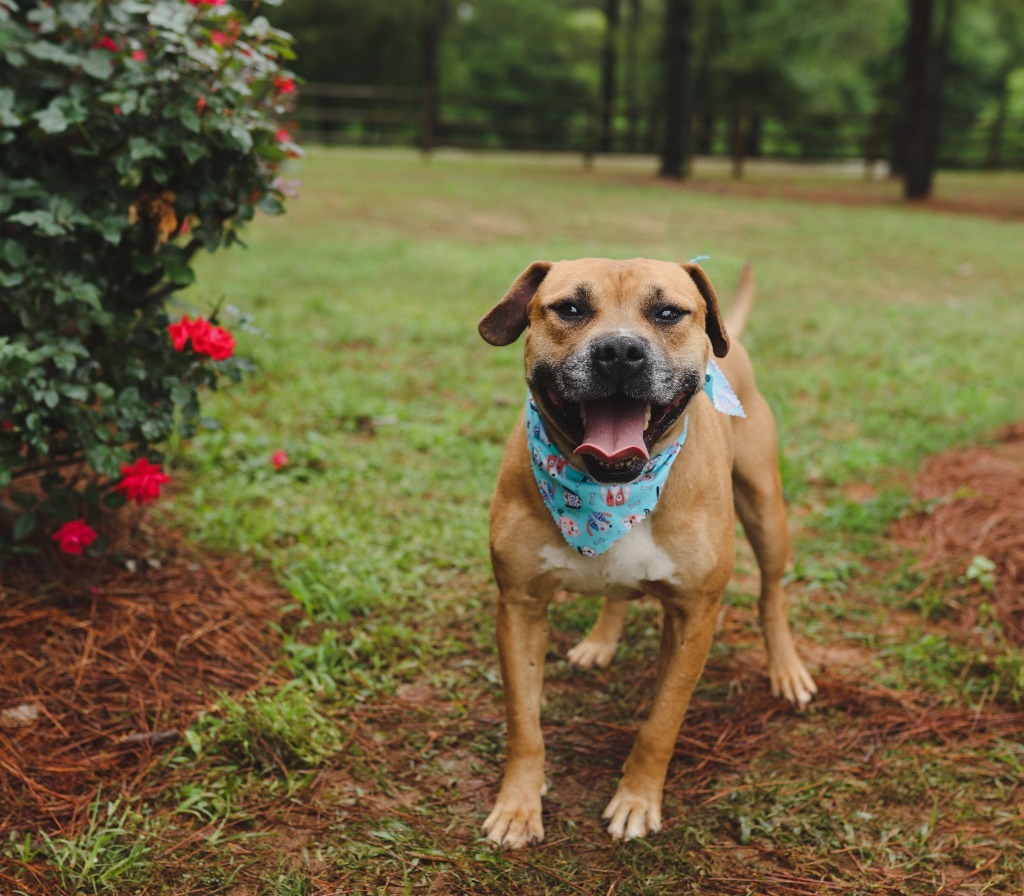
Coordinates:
[742,302]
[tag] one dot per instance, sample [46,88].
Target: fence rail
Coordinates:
[378,116]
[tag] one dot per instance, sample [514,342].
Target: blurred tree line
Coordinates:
[902,80]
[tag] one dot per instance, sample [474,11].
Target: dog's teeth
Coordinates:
[647,417]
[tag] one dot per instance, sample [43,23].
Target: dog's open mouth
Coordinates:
[614,435]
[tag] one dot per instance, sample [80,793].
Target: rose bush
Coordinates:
[134,134]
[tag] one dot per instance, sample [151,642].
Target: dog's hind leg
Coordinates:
[757,494]
[598,647]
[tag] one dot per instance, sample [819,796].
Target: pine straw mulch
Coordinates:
[103,665]
[974,502]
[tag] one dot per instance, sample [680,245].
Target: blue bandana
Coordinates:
[591,515]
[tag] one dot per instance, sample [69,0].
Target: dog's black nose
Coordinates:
[619,357]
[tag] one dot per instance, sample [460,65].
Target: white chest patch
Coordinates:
[618,572]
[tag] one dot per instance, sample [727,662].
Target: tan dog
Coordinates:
[615,348]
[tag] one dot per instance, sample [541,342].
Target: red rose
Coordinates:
[207,2]
[139,55]
[216,342]
[141,482]
[282,136]
[106,43]
[75,537]
[200,104]
[207,339]
[219,39]
[279,459]
[180,333]
[284,85]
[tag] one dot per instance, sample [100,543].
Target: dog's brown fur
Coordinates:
[683,554]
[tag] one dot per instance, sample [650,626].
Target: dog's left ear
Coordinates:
[713,324]
[504,323]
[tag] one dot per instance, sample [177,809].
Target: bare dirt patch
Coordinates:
[974,508]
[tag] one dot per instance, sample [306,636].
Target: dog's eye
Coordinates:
[570,310]
[668,314]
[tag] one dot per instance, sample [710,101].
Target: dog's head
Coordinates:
[615,350]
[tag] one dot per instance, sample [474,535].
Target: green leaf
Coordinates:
[271,205]
[114,500]
[43,221]
[241,137]
[176,269]
[52,119]
[14,253]
[194,150]
[74,392]
[112,228]
[24,525]
[24,500]
[8,117]
[191,120]
[140,148]
[98,64]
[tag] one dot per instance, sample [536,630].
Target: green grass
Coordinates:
[880,335]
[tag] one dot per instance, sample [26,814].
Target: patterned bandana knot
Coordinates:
[591,515]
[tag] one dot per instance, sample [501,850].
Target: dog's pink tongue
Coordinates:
[614,429]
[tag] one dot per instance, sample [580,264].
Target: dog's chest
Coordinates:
[618,572]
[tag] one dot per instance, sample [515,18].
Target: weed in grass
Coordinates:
[288,883]
[870,517]
[833,576]
[982,571]
[932,604]
[270,732]
[1008,680]
[935,662]
[212,800]
[109,855]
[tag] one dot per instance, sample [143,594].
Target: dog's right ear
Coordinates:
[504,323]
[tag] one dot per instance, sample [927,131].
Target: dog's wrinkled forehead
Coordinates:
[606,286]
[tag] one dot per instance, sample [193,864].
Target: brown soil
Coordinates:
[974,507]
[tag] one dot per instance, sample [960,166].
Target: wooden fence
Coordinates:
[388,116]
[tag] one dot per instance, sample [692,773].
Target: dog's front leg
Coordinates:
[522,629]
[686,635]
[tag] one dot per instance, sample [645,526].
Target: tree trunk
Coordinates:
[739,138]
[704,133]
[933,117]
[994,156]
[632,112]
[609,65]
[677,141]
[430,42]
[917,184]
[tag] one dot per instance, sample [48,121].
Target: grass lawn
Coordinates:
[882,334]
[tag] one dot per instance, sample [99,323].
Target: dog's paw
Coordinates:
[591,652]
[631,814]
[515,823]
[791,680]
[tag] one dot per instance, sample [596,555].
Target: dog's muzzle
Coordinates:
[613,401]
